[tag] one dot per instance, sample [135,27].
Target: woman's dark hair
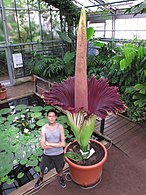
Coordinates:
[52,110]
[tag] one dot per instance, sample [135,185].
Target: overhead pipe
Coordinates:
[110,3]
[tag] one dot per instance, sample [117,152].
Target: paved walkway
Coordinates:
[19,90]
[126,135]
[121,176]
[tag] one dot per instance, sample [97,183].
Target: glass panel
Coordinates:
[26,31]
[130,28]
[99,29]
[12,26]
[8,3]
[2,39]
[50,25]
[108,24]
[35,26]
[108,29]
[84,3]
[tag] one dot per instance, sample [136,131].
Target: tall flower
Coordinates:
[81,86]
[81,99]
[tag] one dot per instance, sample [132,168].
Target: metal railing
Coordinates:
[41,85]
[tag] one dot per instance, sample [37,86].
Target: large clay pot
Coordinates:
[3,94]
[86,175]
[33,78]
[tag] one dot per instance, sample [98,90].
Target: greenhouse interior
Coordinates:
[44,45]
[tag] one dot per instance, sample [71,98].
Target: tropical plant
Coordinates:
[83,100]
[58,69]
[1,87]
[64,37]
[52,67]
[137,105]
[101,65]
[130,62]
[3,64]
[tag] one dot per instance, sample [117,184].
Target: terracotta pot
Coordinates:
[86,175]
[33,78]
[3,94]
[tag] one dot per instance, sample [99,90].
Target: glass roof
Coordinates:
[114,4]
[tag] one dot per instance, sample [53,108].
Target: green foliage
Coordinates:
[3,61]
[74,156]
[68,57]
[90,33]
[129,67]
[101,65]
[139,94]
[20,175]
[53,68]
[64,37]
[130,54]
[68,9]
[69,63]
[125,67]
[136,113]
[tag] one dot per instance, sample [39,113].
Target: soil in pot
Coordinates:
[94,159]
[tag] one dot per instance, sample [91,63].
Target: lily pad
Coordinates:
[36,109]
[38,152]
[46,108]
[20,175]
[2,119]
[33,163]
[62,119]
[13,116]
[10,181]
[4,179]
[24,161]
[32,126]
[37,169]
[5,111]
[24,111]
[21,107]
[8,124]
[36,115]
[13,130]
[22,153]
[6,159]
[42,122]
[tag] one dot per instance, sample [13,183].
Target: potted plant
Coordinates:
[84,100]
[3,92]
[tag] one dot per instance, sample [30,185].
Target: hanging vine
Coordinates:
[71,13]
[67,8]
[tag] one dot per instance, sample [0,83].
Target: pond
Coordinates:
[20,125]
